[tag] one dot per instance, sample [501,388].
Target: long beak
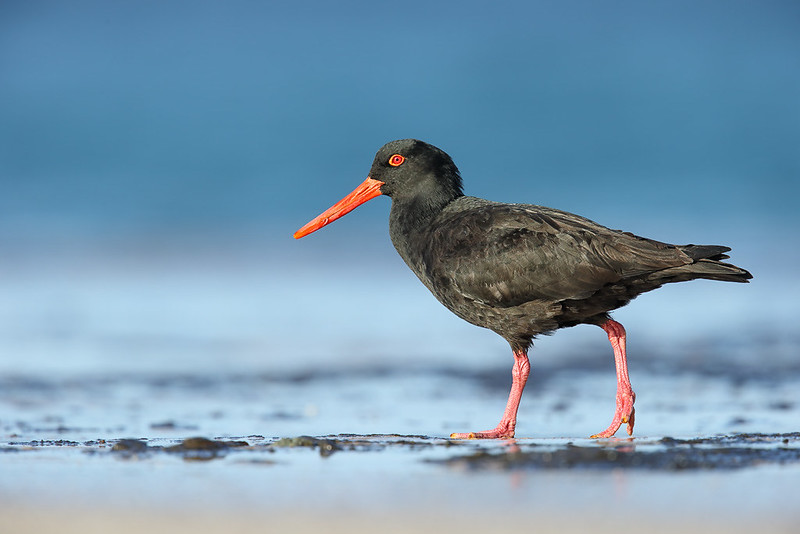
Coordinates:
[368,189]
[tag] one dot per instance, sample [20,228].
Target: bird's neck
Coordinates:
[410,218]
[413,213]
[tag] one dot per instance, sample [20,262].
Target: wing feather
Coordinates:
[507,254]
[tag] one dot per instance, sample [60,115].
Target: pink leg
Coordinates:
[625,412]
[505,428]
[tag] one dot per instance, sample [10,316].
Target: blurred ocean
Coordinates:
[155,158]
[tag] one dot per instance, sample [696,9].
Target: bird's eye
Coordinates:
[396,160]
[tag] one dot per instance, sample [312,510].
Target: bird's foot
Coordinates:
[505,429]
[625,413]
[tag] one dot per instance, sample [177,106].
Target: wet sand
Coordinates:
[366,449]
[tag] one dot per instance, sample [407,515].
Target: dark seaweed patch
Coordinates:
[668,454]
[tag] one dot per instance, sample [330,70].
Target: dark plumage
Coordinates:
[518,269]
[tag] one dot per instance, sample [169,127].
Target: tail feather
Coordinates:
[703,262]
[710,269]
[706,252]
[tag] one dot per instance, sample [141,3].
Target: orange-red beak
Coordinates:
[368,189]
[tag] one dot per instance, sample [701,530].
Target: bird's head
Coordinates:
[404,169]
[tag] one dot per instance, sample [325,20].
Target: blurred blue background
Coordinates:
[155,158]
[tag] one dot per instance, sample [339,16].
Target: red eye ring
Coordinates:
[396,160]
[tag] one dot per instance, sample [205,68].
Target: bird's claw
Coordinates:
[484,434]
[625,413]
[504,430]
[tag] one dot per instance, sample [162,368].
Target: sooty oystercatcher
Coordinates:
[518,269]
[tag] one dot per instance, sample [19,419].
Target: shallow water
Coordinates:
[102,348]
[377,451]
